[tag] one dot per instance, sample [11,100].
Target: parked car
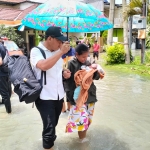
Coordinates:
[12,48]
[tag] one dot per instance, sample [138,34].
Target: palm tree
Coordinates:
[135,7]
[111,19]
[125,34]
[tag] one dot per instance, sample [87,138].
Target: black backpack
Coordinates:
[26,86]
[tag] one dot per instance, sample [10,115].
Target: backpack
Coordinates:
[26,86]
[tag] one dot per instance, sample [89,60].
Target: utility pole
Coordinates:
[111,19]
[125,34]
[143,40]
[130,31]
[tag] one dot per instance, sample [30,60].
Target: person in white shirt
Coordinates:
[51,100]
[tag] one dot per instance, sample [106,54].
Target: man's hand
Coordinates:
[65,47]
[66,73]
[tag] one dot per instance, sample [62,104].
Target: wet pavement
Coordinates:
[121,120]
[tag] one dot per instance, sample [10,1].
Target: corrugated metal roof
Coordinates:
[26,11]
[15,14]
[9,14]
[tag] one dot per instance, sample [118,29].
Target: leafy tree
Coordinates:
[11,34]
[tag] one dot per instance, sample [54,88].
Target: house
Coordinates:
[104,5]
[13,11]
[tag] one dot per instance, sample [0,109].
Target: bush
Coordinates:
[115,54]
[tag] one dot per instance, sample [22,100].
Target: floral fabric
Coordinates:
[80,119]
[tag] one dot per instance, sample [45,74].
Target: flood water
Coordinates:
[121,120]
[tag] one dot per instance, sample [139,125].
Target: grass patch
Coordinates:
[134,68]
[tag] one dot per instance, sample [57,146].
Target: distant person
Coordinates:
[78,42]
[5,85]
[88,44]
[96,50]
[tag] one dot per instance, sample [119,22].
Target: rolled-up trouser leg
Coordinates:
[49,111]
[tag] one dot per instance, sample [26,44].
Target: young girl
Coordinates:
[80,116]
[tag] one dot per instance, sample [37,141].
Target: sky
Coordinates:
[117,1]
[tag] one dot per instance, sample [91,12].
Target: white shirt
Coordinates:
[54,84]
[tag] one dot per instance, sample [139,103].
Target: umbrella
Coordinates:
[71,16]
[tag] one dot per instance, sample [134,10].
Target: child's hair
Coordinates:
[81,48]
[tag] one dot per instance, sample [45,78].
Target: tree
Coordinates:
[111,19]
[138,7]
[125,34]
[11,34]
[135,7]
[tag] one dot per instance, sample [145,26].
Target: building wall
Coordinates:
[26,35]
[118,19]
[98,5]
[78,35]
[106,12]
[118,33]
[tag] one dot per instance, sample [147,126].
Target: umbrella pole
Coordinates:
[67,27]
[67,40]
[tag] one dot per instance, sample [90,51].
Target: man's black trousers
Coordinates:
[49,111]
[5,91]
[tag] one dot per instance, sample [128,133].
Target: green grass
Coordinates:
[134,68]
